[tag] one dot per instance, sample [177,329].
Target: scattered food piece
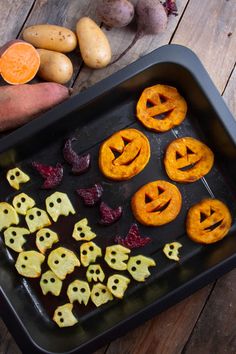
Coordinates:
[138,267]
[80,163]
[50,283]
[82,232]
[45,238]
[133,238]
[8,216]
[22,202]
[36,219]
[16,177]
[59,204]
[62,262]
[115,13]
[100,294]
[109,215]
[89,252]
[52,175]
[95,273]
[63,316]
[92,195]
[29,263]
[79,291]
[14,238]
[117,285]
[116,256]
[171,250]
[170,7]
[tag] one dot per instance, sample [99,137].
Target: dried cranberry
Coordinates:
[133,238]
[91,195]
[109,215]
[52,175]
[79,163]
[170,7]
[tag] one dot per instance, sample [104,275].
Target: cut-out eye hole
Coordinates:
[138,262]
[75,289]
[11,240]
[202,217]
[47,234]
[160,190]
[51,205]
[91,248]
[189,151]
[91,271]
[147,199]
[116,281]
[170,253]
[212,211]
[103,291]
[58,200]
[52,280]
[84,252]
[113,253]
[45,281]
[59,313]
[97,271]
[163,99]
[63,255]
[79,228]
[113,260]
[56,262]
[82,290]
[31,217]
[61,320]
[38,213]
[96,294]
[18,205]
[25,258]
[114,287]
[171,247]
[23,199]
[17,174]
[115,153]
[13,233]
[41,239]
[23,266]
[150,104]
[133,269]
[178,155]
[12,177]
[5,211]
[82,234]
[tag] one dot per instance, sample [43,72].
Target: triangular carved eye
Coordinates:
[202,217]
[150,104]
[177,155]
[212,211]
[189,151]
[125,141]
[115,153]
[160,190]
[147,199]
[162,99]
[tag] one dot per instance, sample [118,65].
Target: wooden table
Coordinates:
[206,321]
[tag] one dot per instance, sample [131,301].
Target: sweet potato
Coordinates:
[20,104]
[19,62]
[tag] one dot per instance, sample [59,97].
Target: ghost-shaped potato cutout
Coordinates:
[29,263]
[8,216]
[14,238]
[45,238]
[138,267]
[16,177]
[95,273]
[59,204]
[62,262]
[22,202]
[50,283]
[36,219]
[117,285]
[79,291]
[116,256]
[63,316]
[89,252]
[82,232]
[100,294]
[171,250]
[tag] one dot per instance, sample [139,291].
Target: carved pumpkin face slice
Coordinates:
[156,203]
[208,221]
[124,154]
[187,160]
[160,108]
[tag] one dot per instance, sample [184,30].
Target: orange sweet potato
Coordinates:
[20,104]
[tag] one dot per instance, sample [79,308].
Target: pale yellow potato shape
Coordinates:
[82,231]
[58,204]
[100,294]
[93,43]
[89,252]
[95,273]
[50,283]
[116,256]
[138,267]
[117,285]
[45,238]
[8,216]
[16,177]
[62,262]
[29,263]
[64,317]
[36,219]
[79,291]
[171,250]
[14,238]
[22,202]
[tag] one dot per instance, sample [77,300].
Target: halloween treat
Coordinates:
[109,215]
[52,175]
[22,202]
[59,204]
[50,283]
[89,252]
[100,294]
[171,250]
[138,267]
[187,160]
[63,316]
[29,263]
[117,285]
[208,221]
[14,238]
[95,273]
[116,256]
[161,108]
[8,216]
[79,291]
[62,262]
[92,195]
[82,232]
[156,203]
[80,163]
[36,219]
[124,154]
[16,177]
[45,238]
[133,238]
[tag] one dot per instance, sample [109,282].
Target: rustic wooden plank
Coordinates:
[7,343]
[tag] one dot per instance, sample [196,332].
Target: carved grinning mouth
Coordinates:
[161,208]
[213,226]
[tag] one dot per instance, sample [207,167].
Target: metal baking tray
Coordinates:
[92,116]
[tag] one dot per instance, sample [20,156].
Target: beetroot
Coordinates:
[133,238]
[115,13]
[170,7]
[109,215]
[92,195]
[52,175]
[80,163]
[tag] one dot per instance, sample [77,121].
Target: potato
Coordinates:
[51,37]
[94,46]
[54,66]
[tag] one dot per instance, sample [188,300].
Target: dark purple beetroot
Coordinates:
[92,195]
[133,238]
[52,175]
[79,163]
[109,215]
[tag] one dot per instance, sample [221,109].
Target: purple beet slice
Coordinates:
[92,195]
[52,175]
[133,238]
[79,163]
[109,215]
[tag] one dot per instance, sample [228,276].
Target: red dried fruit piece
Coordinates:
[52,175]
[133,238]
[79,163]
[170,7]
[90,195]
[109,215]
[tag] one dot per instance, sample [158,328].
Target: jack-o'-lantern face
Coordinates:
[160,108]
[187,160]
[156,203]
[124,154]
[208,221]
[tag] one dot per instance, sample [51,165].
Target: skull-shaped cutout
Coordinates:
[62,262]
[116,256]
[133,150]
[208,221]
[14,238]
[15,177]
[45,238]
[50,283]
[82,232]
[100,294]
[63,316]
[187,160]
[79,291]
[29,263]
[8,216]
[22,202]
[95,273]
[138,267]
[59,204]
[89,252]
[117,285]
[156,203]
[171,250]
[36,219]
